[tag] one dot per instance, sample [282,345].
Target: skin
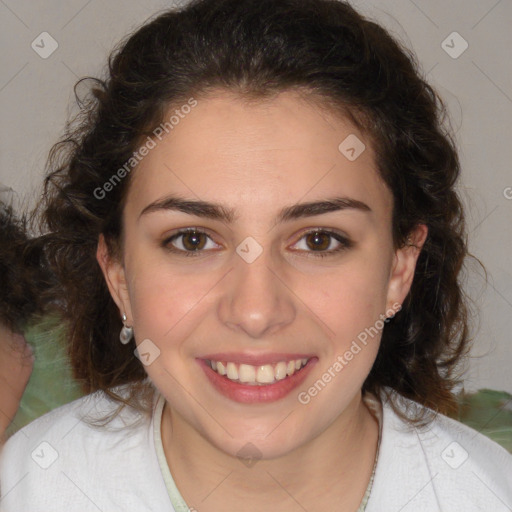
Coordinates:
[258,158]
[16,363]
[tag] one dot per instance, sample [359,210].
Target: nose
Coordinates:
[256,299]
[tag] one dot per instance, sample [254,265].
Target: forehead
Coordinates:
[259,155]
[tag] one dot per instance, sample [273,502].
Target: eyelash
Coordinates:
[345,243]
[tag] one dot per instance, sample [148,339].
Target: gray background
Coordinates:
[36,97]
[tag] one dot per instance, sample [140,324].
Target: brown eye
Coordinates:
[189,242]
[318,240]
[193,240]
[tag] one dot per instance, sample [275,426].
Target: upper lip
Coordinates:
[255,359]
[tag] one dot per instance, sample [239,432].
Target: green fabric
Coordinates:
[51,383]
[489,412]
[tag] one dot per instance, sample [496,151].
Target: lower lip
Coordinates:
[250,394]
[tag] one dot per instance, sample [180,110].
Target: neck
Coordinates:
[334,467]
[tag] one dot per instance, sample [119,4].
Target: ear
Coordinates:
[404,265]
[114,274]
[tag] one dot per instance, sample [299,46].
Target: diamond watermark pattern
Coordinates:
[454,455]
[44,45]
[147,352]
[45,455]
[249,250]
[249,454]
[454,45]
[352,147]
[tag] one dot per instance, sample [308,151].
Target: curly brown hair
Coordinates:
[24,277]
[259,48]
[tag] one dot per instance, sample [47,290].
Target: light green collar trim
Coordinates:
[177,500]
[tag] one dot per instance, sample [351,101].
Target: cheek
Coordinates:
[163,302]
[350,303]
[349,299]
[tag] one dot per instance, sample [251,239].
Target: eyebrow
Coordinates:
[216,211]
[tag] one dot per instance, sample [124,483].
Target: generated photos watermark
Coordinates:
[159,132]
[357,345]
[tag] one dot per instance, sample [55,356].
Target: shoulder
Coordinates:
[444,465]
[465,443]
[70,422]
[65,458]
[460,444]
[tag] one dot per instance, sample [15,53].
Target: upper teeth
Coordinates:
[264,374]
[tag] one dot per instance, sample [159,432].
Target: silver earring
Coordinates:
[126,332]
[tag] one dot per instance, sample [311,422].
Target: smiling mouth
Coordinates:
[261,375]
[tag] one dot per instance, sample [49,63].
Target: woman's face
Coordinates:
[292,263]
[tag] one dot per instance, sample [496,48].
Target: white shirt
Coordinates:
[59,463]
